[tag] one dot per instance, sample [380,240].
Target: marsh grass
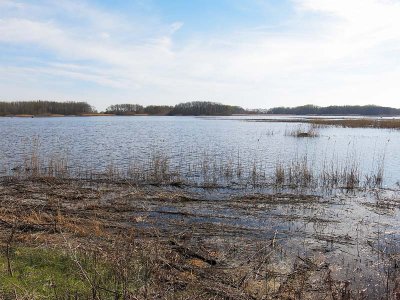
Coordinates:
[346,123]
[359,123]
[208,171]
[310,131]
[39,273]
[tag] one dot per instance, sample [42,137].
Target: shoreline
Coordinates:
[235,246]
[55,116]
[285,117]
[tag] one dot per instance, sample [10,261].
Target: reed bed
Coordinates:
[208,171]
[359,123]
[346,123]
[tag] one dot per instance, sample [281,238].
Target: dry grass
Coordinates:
[106,259]
[207,172]
[348,123]
[68,223]
[359,123]
[310,131]
[24,116]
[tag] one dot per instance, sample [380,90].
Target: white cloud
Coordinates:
[176,26]
[347,54]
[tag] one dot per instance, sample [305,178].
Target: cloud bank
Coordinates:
[324,52]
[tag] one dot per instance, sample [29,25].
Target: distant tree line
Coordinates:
[136,109]
[366,110]
[44,108]
[196,108]
[158,110]
[125,109]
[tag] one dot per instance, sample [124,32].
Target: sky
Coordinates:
[252,53]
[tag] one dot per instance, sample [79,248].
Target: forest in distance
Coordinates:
[43,108]
[194,108]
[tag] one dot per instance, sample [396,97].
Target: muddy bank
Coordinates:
[218,244]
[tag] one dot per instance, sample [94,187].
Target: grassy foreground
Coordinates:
[51,273]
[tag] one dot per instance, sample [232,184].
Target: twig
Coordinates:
[8,250]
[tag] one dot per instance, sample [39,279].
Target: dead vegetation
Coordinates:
[207,171]
[359,123]
[122,241]
[309,131]
[383,123]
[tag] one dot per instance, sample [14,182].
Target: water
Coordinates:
[95,142]
[355,234]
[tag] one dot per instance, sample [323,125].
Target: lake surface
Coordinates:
[355,235]
[96,142]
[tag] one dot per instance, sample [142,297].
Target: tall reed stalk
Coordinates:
[209,171]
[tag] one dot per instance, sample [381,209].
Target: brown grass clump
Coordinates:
[197,263]
[303,132]
[358,123]
[24,116]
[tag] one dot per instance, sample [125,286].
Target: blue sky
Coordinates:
[253,53]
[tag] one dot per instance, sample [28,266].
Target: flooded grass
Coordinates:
[121,241]
[309,131]
[210,172]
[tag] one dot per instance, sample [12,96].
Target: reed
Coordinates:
[36,164]
[209,171]
[310,131]
[358,123]
[347,123]
[279,174]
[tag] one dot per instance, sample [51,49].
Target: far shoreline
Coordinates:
[293,117]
